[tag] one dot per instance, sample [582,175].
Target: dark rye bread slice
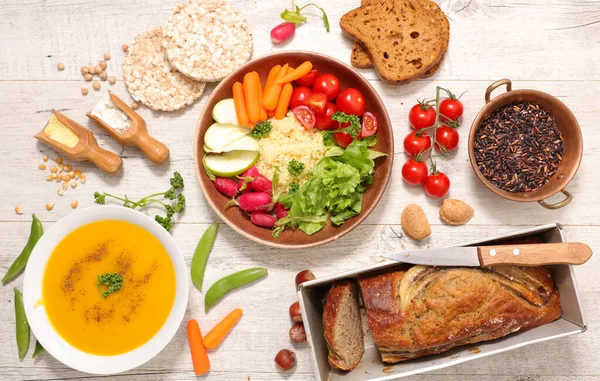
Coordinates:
[404,38]
[343,326]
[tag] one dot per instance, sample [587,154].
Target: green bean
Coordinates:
[19,264]
[231,282]
[22,325]
[38,349]
[201,253]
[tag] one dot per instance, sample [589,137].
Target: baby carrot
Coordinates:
[298,73]
[290,69]
[270,113]
[272,92]
[197,348]
[284,101]
[272,75]
[216,335]
[240,104]
[263,112]
[251,93]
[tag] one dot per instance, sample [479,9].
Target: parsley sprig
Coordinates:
[173,194]
[113,281]
[261,130]
[295,167]
[353,129]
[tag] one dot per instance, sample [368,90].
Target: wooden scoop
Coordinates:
[86,148]
[136,135]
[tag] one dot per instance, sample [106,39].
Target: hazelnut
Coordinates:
[295,313]
[285,360]
[297,333]
[304,276]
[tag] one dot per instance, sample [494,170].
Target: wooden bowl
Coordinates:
[566,123]
[294,238]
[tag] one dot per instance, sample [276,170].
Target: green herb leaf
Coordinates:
[328,138]
[176,181]
[293,17]
[261,130]
[370,140]
[294,186]
[99,198]
[112,280]
[165,222]
[295,167]
[353,129]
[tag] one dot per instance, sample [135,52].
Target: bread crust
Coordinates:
[428,310]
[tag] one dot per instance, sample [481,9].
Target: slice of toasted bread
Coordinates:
[404,38]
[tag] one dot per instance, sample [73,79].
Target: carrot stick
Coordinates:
[216,335]
[271,95]
[251,93]
[290,69]
[298,73]
[270,113]
[263,112]
[240,104]
[284,101]
[272,75]
[197,348]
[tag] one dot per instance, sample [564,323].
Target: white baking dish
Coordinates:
[311,295]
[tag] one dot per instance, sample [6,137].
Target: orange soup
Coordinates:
[108,287]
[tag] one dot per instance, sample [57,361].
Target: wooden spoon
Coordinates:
[136,135]
[86,149]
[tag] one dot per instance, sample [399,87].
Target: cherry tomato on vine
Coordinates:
[308,79]
[414,172]
[305,116]
[324,121]
[415,142]
[299,95]
[447,137]
[421,116]
[437,184]
[369,125]
[316,102]
[451,108]
[351,101]
[327,84]
[343,139]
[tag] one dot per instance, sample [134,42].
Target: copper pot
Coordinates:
[568,126]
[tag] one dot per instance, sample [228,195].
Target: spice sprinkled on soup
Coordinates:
[108,287]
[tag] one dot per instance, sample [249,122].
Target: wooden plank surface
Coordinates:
[549,46]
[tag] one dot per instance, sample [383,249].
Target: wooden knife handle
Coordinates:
[566,253]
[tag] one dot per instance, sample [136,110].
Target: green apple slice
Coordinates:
[218,135]
[231,163]
[245,143]
[224,112]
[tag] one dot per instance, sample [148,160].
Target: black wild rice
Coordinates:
[518,147]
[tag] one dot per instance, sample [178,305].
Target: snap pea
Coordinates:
[38,349]
[231,282]
[22,325]
[19,264]
[201,253]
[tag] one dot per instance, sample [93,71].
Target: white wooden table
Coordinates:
[550,46]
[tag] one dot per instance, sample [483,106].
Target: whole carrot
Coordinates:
[216,335]
[263,111]
[284,101]
[298,73]
[197,348]
[290,69]
[271,95]
[251,94]
[272,75]
[240,104]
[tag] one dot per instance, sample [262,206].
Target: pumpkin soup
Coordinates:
[108,287]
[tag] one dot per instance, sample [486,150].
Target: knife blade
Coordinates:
[570,253]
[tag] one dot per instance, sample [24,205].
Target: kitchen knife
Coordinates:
[569,253]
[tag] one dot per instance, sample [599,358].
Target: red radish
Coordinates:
[280,210]
[262,219]
[254,201]
[282,32]
[246,178]
[251,172]
[226,186]
[261,184]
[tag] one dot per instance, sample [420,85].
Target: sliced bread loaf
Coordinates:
[342,326]
[404,38]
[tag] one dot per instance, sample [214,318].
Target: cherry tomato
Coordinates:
[327,84]
[351,101]
[343,139]
[299,95]
[305,116]
[451,108]
[437,184]
[369,125]
[414,172]
[416,142]
[421,116]
[447,137]
[308,79]
[324,121]
[316,102]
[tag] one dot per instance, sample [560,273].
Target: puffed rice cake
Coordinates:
[207,39]
[150,78]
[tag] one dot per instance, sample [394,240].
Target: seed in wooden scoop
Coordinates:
[84,91]
[107,56]
[88,77]
[96,85]
[125,47]
[102,65]
[112,80]
[60,66]
[50,206]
